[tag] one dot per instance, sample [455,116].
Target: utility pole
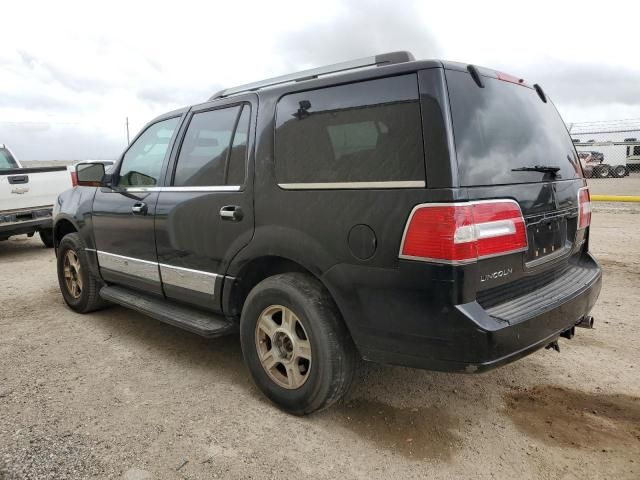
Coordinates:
[127,124]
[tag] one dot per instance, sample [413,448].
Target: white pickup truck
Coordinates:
[27,196]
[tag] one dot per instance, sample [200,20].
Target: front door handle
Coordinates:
[139,208]
[232,213]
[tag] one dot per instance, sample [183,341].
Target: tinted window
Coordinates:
[238,156]
[142,164]
[636,150]
[6,160]
[364,132]
[210,154]
[504,126]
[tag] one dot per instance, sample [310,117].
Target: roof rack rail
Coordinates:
[373,61]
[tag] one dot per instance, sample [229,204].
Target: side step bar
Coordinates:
[206,324]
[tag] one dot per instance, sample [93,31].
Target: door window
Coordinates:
[142,164]
[214,149]
[363,132]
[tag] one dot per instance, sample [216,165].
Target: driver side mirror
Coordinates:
[89,174]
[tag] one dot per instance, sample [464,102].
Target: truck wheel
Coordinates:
[620,171]
[295,343]
[47,237]
[78,286]
[601,171]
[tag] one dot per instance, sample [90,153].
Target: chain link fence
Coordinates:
[610,155]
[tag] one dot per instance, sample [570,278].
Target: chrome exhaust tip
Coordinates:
[586,322]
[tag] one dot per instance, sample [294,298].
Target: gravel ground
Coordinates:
[117,395]
[615,186]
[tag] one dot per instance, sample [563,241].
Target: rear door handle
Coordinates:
[232,213]
[139,208]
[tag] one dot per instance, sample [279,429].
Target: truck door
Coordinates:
[123,216]
[204,215]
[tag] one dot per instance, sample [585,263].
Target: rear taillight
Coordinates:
[74,178]
[584,208]
[463,232]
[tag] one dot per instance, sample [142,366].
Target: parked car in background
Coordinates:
[609,160]
[590,164]
[27,196]
[341,212]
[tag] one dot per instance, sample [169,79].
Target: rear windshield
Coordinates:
[505,126]
[6,160]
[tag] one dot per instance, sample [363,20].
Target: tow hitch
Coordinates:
[569,334]
[585,322]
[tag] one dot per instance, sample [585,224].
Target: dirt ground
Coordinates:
[616,186]
[115,394]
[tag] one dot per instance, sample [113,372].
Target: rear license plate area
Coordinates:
[546,237]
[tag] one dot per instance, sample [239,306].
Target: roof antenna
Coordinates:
[475,75]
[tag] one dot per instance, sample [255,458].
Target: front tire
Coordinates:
[78,286]
[295,343]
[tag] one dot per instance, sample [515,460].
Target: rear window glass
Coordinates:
[505,126]
[363,132]
[7,161]
[205,148]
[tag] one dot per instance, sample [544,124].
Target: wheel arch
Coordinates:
[252,272]
[62,227]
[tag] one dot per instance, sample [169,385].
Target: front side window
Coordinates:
[214,148]
[142,164]
[363,132]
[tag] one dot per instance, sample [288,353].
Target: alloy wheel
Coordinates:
[72,277]
[283,347]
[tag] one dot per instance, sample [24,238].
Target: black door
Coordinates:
[123,216]
[204,215]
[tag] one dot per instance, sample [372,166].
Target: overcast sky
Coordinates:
[70,72]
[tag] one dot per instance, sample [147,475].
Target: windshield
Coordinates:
[7,161]
[503,127]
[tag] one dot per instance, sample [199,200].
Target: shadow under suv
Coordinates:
[420,213]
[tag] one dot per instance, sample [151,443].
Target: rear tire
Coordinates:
[47,237]
[620,171]
[78,286]
[296,344]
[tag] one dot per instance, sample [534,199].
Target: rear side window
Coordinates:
[363,132]
[214,148]
[504,127]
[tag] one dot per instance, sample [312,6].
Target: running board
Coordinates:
[206,324]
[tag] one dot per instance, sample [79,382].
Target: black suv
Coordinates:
[419,213]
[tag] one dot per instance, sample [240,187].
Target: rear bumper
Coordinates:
[427,333]
[11,225]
